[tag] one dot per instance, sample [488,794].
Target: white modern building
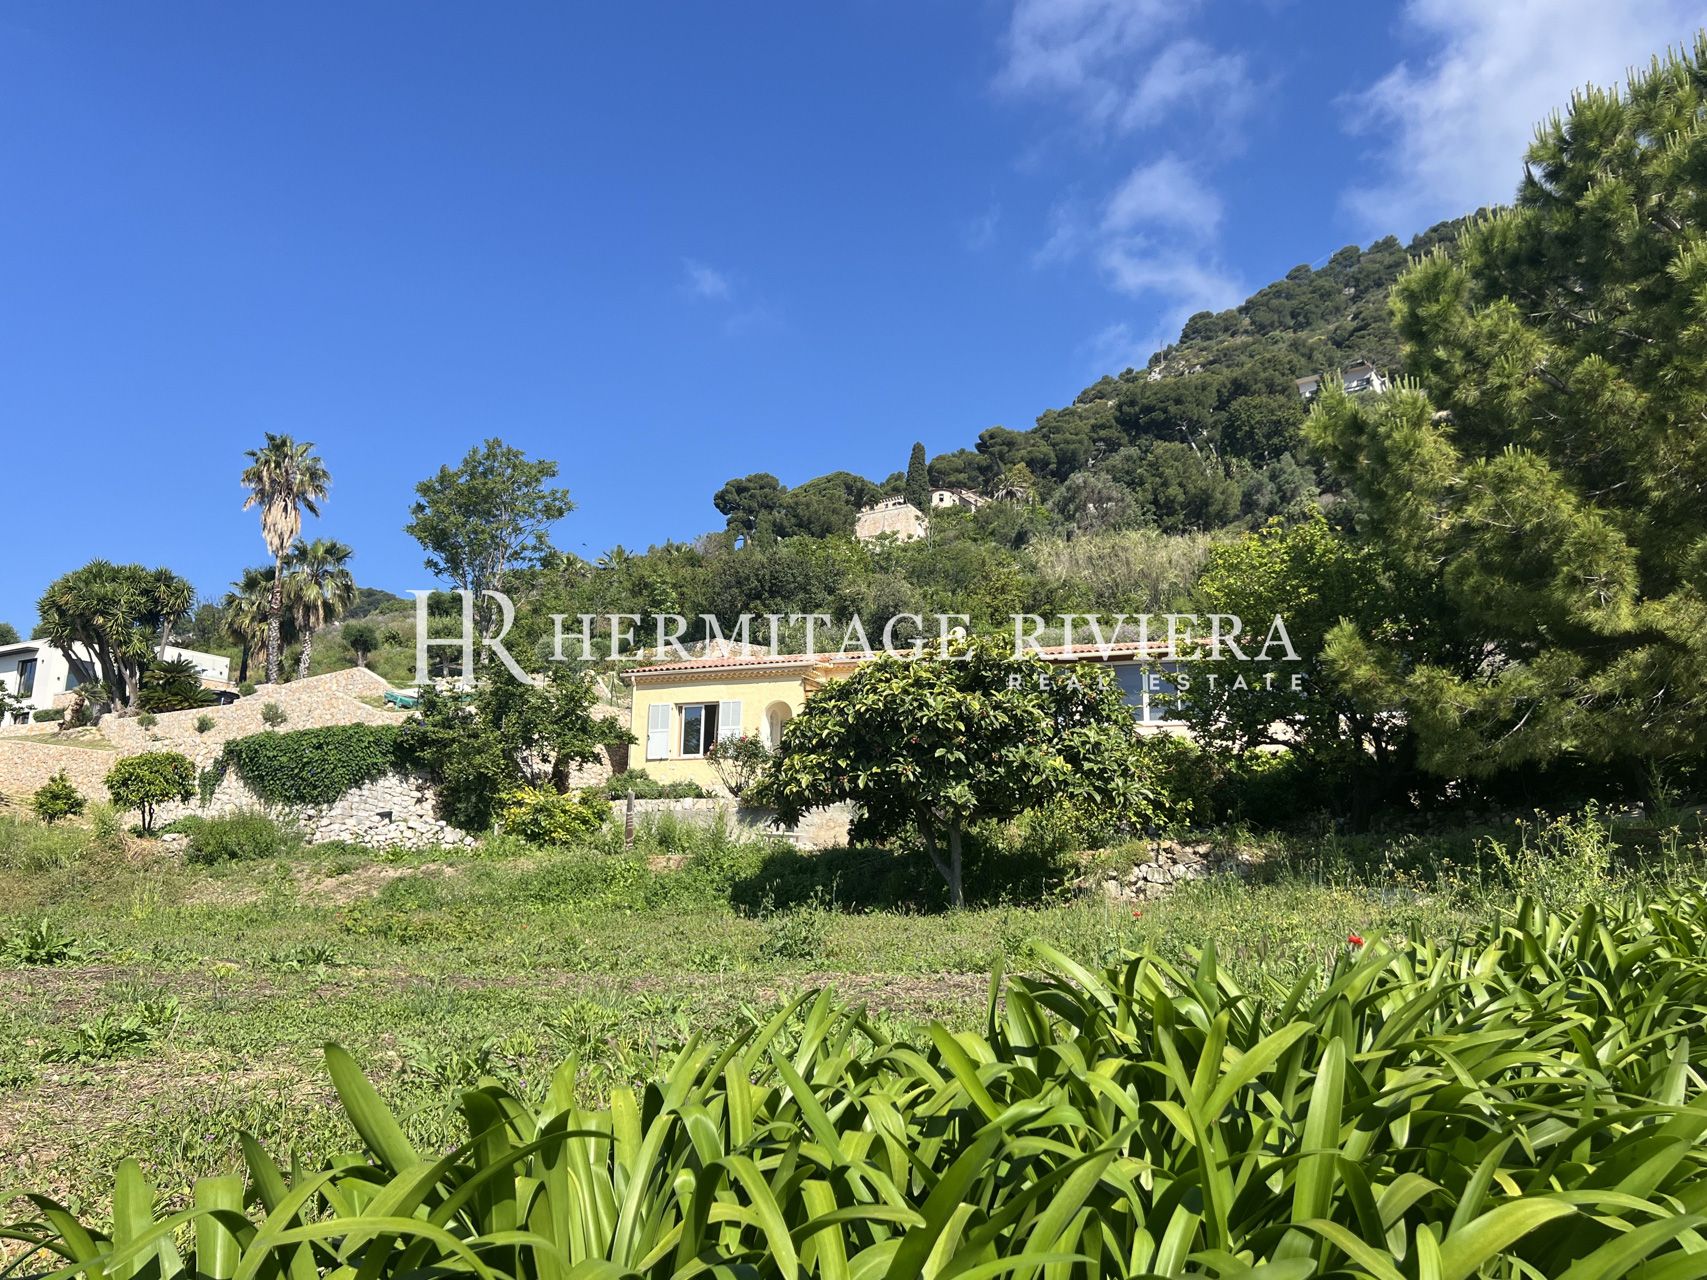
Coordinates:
[1356,378]
[39,674]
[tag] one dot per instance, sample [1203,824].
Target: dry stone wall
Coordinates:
[395,811]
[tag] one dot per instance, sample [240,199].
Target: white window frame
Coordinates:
[680,736]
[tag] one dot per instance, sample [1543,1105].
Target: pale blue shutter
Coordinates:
[728,719]
[658,731]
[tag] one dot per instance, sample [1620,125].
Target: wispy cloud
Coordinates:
[707,282]
[1120,64]
[981,231]
[1152,237]
[1452,130]
[1164,192]
[1124,70]
[1116,348]
[738,307]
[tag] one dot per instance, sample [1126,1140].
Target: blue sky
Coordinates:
[669,244]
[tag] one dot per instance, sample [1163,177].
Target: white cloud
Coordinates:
[1452,131]
[706,282]
[1114,63]
[1163,192]
[1124,67]
[1182,281]
[1188,71]
[1152,237]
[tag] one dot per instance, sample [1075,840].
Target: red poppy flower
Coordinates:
[1355,939]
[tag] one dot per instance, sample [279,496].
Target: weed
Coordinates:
[43,943]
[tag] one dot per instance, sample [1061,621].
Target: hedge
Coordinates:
[312,766]
[49,715]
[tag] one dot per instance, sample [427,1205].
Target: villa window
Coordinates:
[699,727]
[1151,692]
[26,677]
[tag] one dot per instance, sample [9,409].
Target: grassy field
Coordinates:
[154,1008]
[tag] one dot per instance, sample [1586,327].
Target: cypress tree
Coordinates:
[918,489]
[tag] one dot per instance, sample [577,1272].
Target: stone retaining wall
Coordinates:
[825,828]
[27,763]
[310,703]
[393,811]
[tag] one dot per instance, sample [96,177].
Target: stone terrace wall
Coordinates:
[393,811]
[26,764]
[825,828]
[311,703]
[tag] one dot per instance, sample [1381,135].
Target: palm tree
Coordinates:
[173,597]
[320,589]
[283,478]
[245,609]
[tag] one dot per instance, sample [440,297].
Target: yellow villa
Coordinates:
[681,707]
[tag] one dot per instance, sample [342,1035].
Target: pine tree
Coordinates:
[918,489]
[1551,465]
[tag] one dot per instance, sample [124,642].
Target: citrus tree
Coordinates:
[932,744]
[145,782]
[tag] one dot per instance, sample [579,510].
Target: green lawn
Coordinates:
[189,1002]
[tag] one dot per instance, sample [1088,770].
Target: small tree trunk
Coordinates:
[275,629]
[243,665]
[949,870]
[307,649]
[956,894]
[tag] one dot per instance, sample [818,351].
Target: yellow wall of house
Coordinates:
[755,692]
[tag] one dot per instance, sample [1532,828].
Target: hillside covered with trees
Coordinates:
[1207,436]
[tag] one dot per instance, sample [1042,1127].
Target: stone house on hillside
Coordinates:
[903,521]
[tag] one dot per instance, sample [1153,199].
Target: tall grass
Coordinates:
[1524,1102]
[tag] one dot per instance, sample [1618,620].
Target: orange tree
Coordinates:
[932,744]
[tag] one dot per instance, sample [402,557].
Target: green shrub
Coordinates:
[312,766]
[272,715]
[798,935]
[543,816]
[1525,1102]
[57,798]
[1270,788]
[246,689]
[247,835]
[646,787]
[49,715]
[739,761]
[1183,776]
[204,723]
[147,719]
[144,782]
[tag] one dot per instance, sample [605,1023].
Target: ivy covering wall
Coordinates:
[312,766]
